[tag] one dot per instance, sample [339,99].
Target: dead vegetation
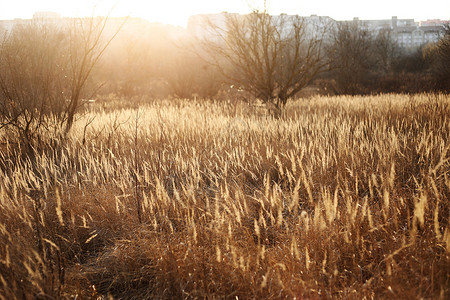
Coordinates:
[338,197]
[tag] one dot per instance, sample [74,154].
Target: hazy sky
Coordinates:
[177,11]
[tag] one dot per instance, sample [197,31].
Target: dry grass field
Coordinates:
[338,197]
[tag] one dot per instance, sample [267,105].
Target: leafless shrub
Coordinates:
[45,70]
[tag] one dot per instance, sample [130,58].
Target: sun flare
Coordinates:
[175,12]
[168,12]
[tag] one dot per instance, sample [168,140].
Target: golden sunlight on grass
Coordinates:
[338,197]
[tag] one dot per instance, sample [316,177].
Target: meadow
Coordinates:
[336,197]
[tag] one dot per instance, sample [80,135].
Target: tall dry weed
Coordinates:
[338,197]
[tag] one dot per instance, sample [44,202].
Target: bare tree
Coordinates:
[33,82]
[386,50]
[44,71]
[352,56]
[273,57]
[181,76]
[442,65]
[130,62]
[188,75]
[87,45]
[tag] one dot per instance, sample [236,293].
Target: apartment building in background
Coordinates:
[408,33]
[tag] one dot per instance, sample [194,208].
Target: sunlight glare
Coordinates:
[174,12]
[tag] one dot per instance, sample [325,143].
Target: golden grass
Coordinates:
[339,197]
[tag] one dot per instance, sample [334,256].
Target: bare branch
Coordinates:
[273,57]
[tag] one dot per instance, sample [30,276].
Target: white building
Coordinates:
[408,33]
[212,26]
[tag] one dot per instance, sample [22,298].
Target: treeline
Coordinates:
[365,62]
[272,58]
[161,61]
